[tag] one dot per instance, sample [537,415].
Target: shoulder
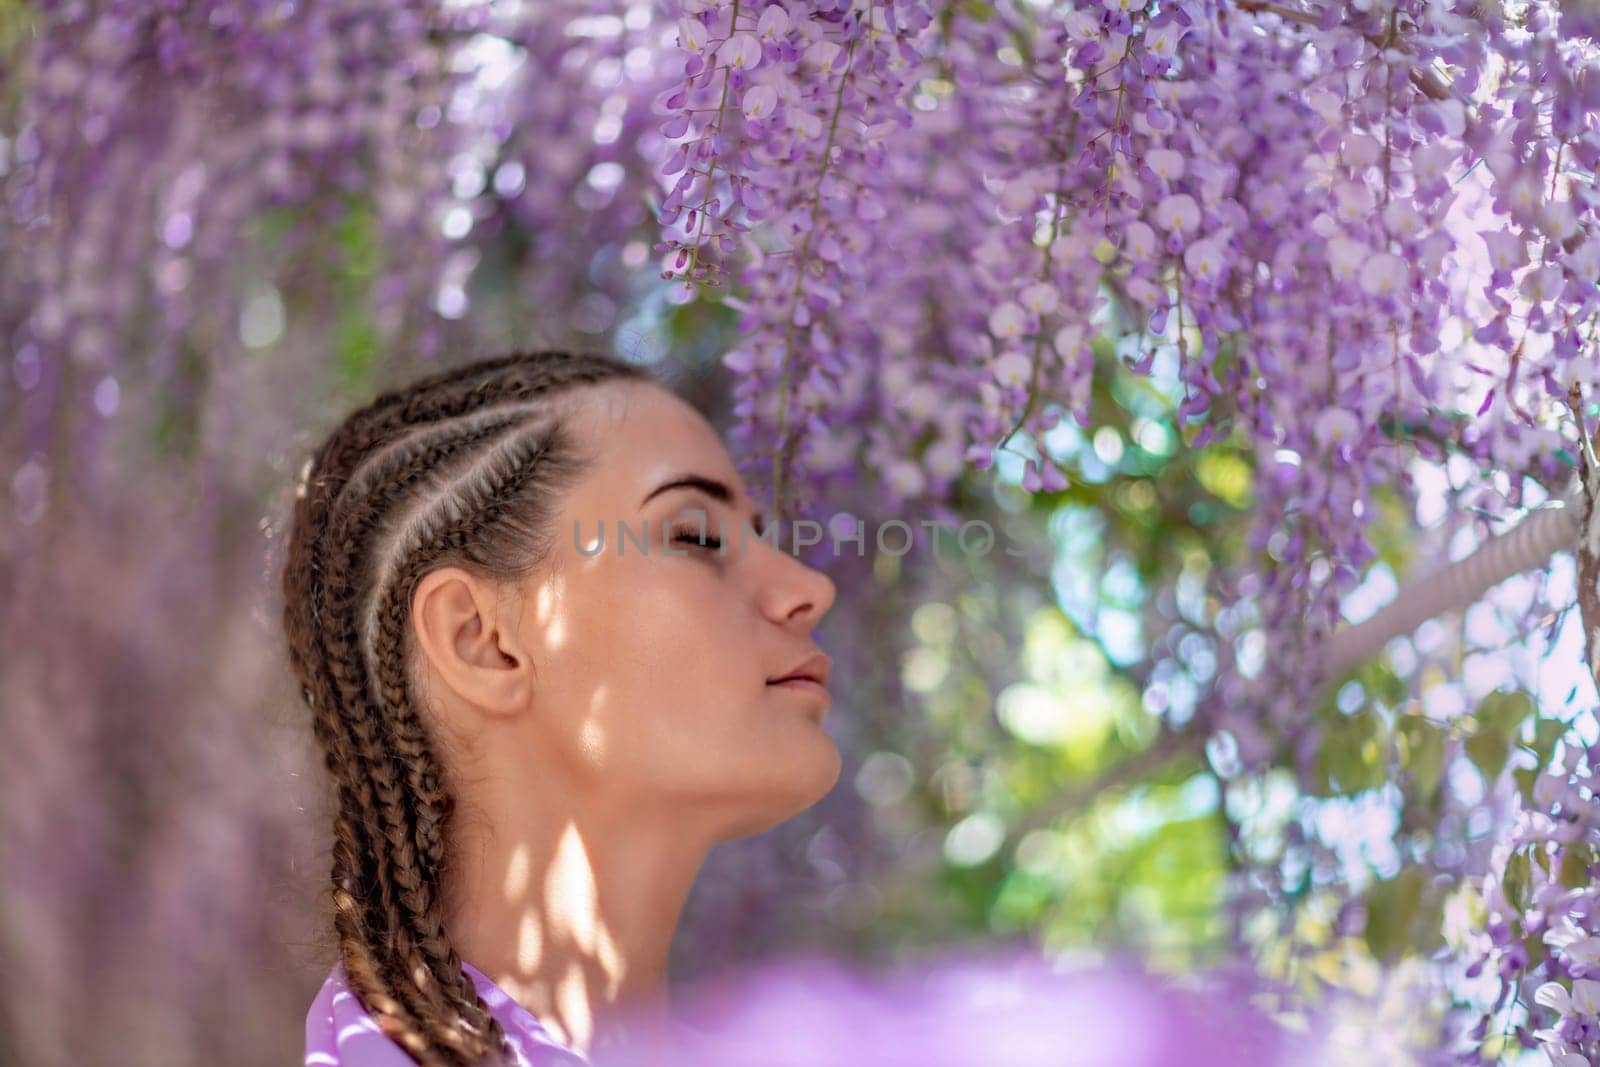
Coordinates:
[536,1046]
[340,1032]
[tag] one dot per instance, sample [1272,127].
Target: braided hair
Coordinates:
[459,468]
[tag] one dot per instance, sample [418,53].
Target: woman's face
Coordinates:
[652,665]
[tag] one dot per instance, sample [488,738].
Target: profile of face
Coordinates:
[640,679]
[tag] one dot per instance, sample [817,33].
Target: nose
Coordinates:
[795,590]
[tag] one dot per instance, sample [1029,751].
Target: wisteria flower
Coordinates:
[1580,948]
[1041,298]
[1385,274]
[1178,213]
[691,35]
[905,478]
[1139,241]
[741,52]
[1346,255]
[1167,165]
[827,56]
[1507,250]
[1163,41]
[1583,999]
[1008,321]
[1335,426]
[1543,283]
[1013,369]
[1205,261]
[773,25]
[759,102]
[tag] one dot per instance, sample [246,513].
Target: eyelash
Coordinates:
[691,535]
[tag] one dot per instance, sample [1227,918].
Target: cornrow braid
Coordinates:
[463,467]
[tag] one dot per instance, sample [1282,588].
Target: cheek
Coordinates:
[661,691]
[661,646]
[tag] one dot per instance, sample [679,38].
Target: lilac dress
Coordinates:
[340,1032]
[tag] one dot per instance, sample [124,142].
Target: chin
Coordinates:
[804,787]
[816,767]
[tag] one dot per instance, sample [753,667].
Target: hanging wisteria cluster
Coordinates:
[1357,251]
[1340,244]
[155,138]
[1357,235]
[1542,934]
[155,135]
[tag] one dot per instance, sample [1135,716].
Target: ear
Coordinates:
[462,632]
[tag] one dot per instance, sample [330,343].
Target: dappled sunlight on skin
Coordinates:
[518,873]
[545,612]
[530,943]
[612,722]
[593,733]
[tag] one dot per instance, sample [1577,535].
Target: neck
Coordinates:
[572,914]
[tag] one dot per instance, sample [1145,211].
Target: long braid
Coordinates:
[409,812]
[406,1005]
[461,467]
[487,497]
[388,820]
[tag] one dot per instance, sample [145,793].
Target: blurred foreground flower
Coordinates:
[1010,1007]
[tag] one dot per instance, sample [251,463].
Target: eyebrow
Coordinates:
[709,486]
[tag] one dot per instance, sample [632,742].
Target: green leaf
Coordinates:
[1515,881]
[1423,753]
[1534,946]
[1499,720]
[1350,759]
[1393,908]
[1576,859]
[1525,777]
[1488,749]
[1505,712]
[1385,684]
[1546,734]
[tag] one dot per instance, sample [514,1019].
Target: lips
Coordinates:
[814,668]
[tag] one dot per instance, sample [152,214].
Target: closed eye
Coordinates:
[694,537]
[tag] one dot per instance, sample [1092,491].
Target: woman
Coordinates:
[543,646]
